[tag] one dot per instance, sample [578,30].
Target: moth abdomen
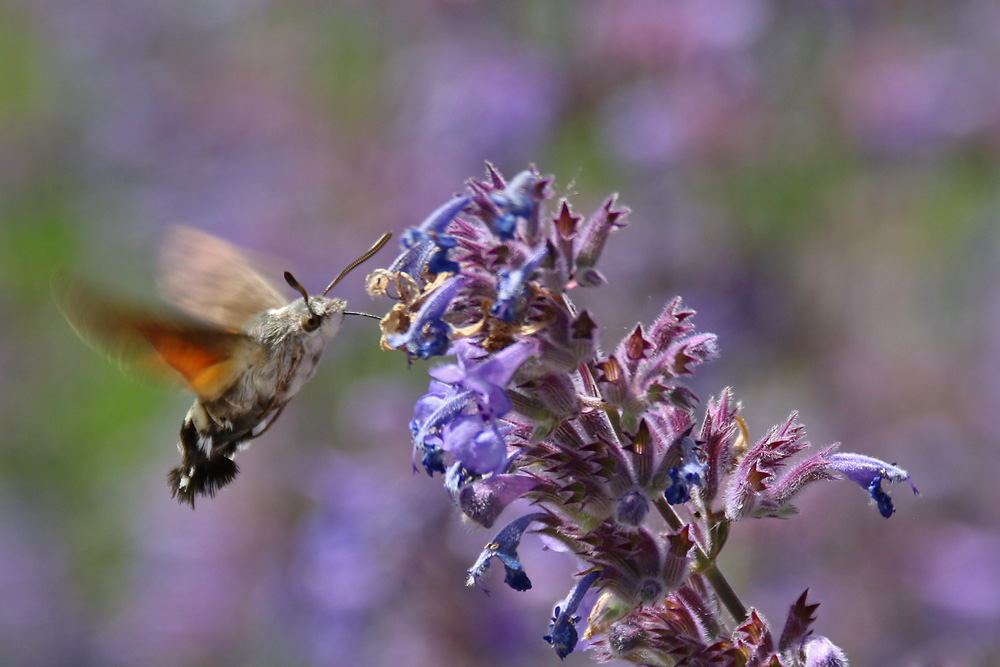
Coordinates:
[203,470]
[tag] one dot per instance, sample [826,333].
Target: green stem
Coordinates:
[706,566]
[730,600]
[668,514]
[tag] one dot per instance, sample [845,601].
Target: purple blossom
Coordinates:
[475,444]
[427,244]
[631,508]
[821,652]
[512,203]
[869,473]
[458,413]
[486,378]
[512,287]
[437,407]
[484,500]
[562,631]
[504,548]
[686,474]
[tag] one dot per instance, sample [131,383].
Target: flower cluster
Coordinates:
[607,445]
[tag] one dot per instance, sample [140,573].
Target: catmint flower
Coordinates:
[512,288]
[427,245]
[686,474]
[438,406]
[516,201]
[484,500]
[869,472]
[504,548]
[436,222]
[562,630]
[475,444]
[608,445]
[486,377]
[458,414]
[439,262]
[432,459]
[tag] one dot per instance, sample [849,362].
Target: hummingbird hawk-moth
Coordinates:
[235,342]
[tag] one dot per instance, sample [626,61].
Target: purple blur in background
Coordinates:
[819,182]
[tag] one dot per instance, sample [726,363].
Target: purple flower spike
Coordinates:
[869,473]
[427,335]
[600,439]
[504,547]
[562,631]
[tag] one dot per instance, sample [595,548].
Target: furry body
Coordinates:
[279,358]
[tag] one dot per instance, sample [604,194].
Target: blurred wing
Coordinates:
[213,281]
[208,359]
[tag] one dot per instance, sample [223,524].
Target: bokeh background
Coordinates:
[818,180]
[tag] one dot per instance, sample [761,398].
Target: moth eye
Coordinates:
[309,323]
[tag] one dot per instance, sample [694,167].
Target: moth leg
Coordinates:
[267,426]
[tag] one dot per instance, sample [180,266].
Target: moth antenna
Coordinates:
[371,251]
[351,312]
[294,284]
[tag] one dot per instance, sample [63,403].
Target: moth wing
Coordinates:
[206,358]
[212,280]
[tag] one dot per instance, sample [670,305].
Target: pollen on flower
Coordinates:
[395,322]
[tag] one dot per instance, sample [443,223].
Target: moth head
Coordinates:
[322,314]
[316,314]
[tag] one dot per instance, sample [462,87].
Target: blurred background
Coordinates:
[818,180]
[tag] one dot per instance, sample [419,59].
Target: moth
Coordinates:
[234,340]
